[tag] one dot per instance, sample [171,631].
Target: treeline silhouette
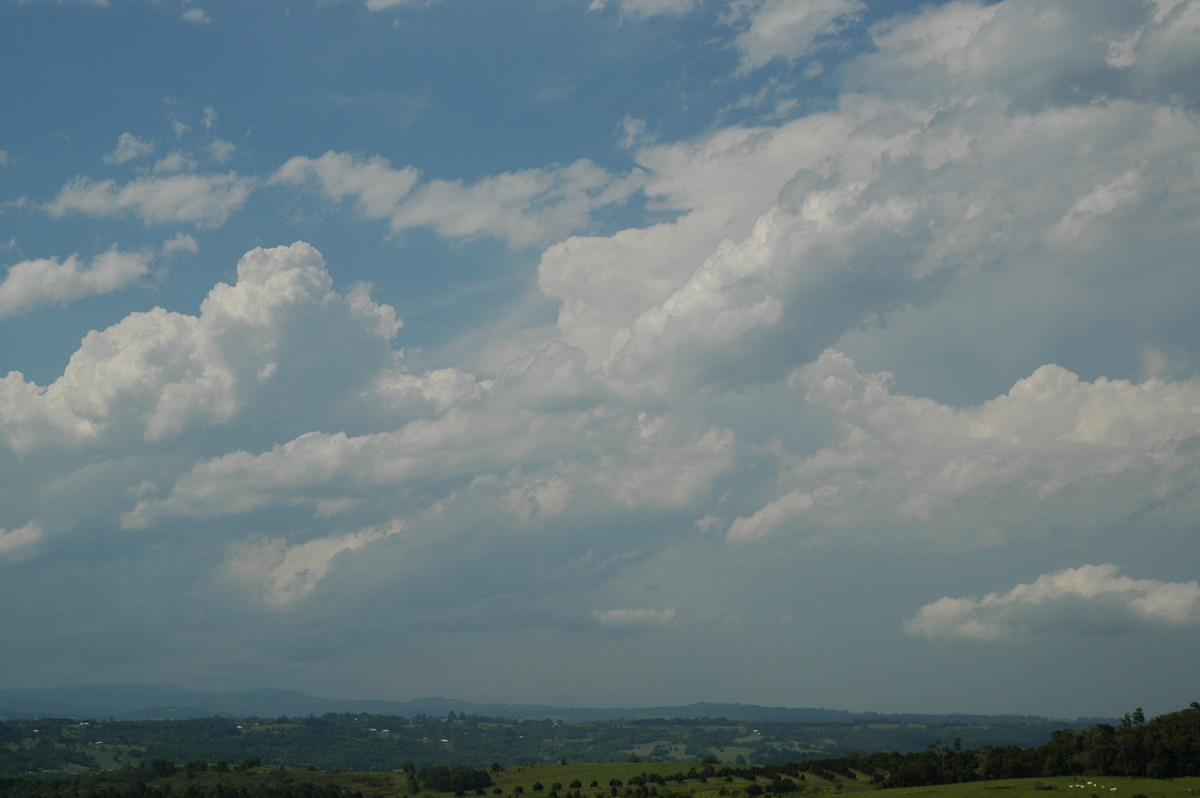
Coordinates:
[17,788]
[1166,747]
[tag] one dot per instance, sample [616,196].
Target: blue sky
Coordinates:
[610,353]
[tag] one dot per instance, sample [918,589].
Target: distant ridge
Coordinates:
[146,702]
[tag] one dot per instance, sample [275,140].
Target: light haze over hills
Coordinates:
[139,701]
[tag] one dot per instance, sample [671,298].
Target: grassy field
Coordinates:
[1066,787]
[603,773]
[524,781]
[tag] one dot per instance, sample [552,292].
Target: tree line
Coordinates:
[1166,747]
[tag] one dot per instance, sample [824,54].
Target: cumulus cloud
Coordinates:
[128,148]
[205,200]
[282,574]
[905,465]
[875,225]
[533,206]
[156,374]
[1089,600]
[963,220]
[722,185]
[180,242]
[656,470]
[335,473]
[779,512]
[374,183]
[48,281]
[439,389]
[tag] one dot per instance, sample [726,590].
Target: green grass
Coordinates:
[395,784]
[1059,787]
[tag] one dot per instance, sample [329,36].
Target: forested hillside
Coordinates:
[380,742]
[1166,747]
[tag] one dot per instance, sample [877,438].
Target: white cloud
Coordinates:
[908,467]
[221,150]
[180,242]
[649,8]
[548,496]
[267,339]
[172,162]
[379,5]
[377,187]
[533,442]
[196,16]
[205,200]
[1091,599]
[439,388]
[47,281]
[283,573]
[787,29]
[940,37]
[16,543]
[655,470]
[884,224]
[636,618]
[781,511]
[129,147]
[723,185]
[961,220]
[534,206]
[523,208]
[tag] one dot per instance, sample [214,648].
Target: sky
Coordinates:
[609,353]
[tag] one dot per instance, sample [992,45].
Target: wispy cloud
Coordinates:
[16,543]
[196,16]
[283,573]
[629,618]
[526,208]
[128,148]
[786,29]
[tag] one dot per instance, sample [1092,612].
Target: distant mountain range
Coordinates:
[143,702]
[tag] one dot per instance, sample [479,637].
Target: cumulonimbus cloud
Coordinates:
[1089,600]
